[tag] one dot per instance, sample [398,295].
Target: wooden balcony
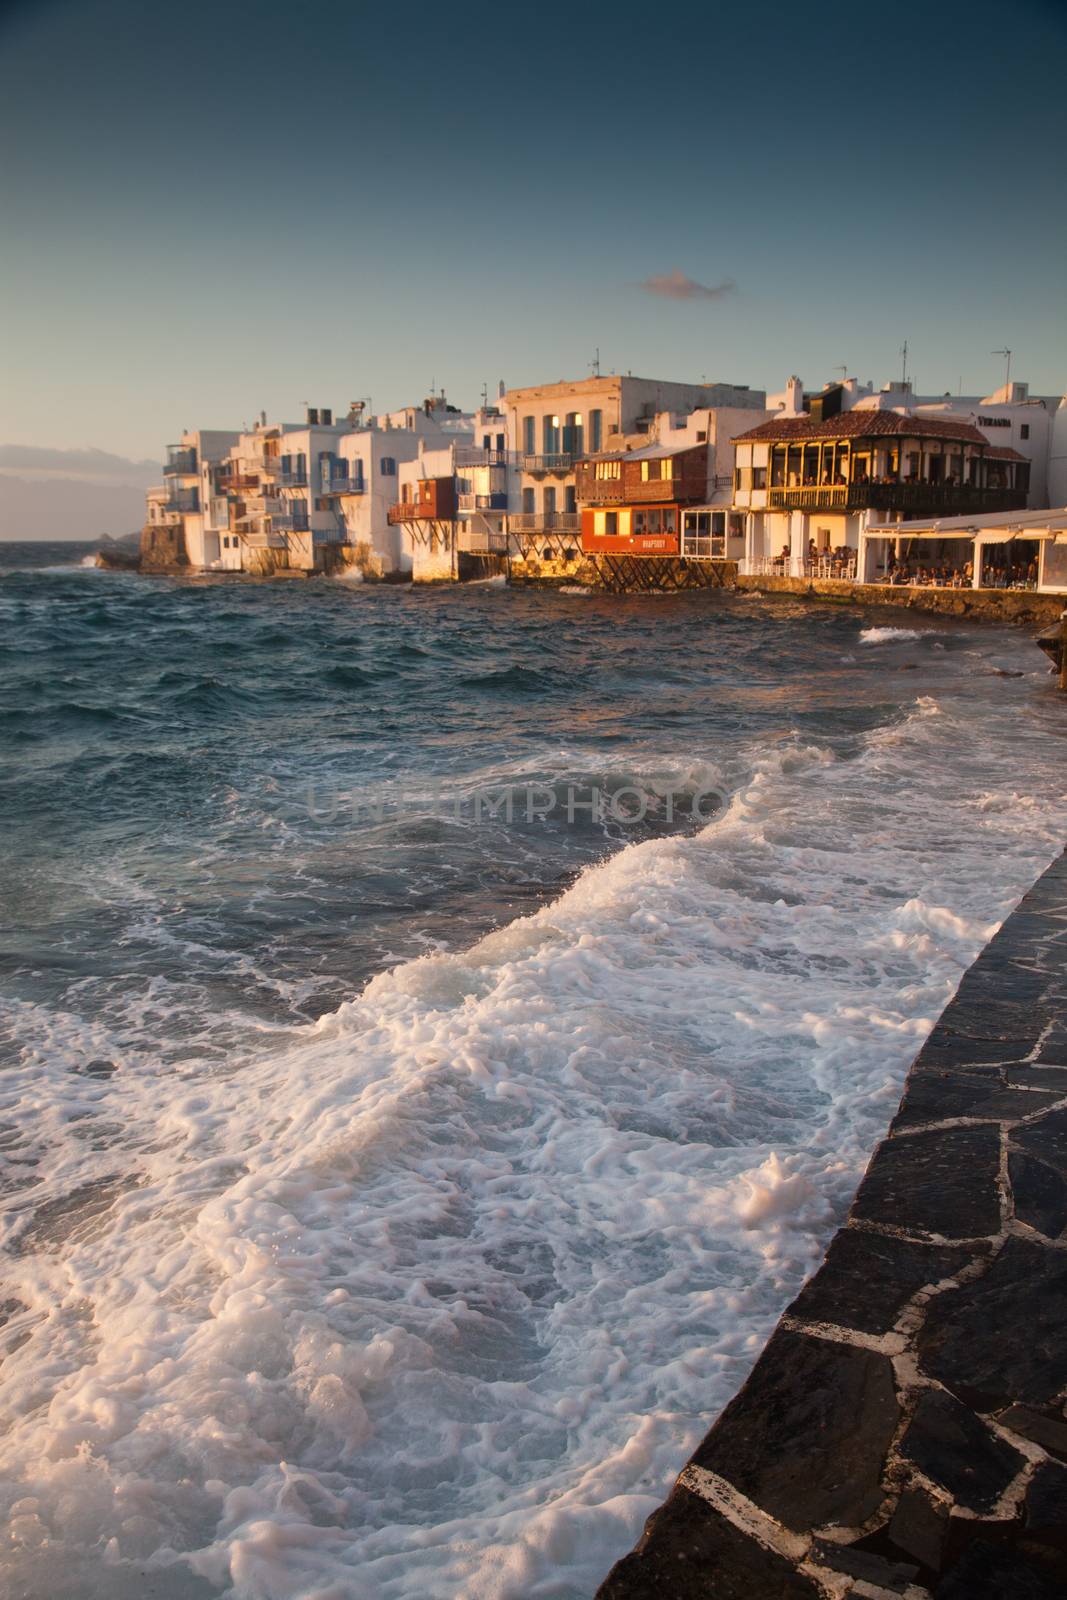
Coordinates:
[954,499]
[434,501]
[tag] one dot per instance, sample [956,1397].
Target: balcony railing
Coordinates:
[902,495]
[409,511]
[487,542]
[183,500]
[288,522]
[563,461]
[544,522]
[337,485]
[237,482]
[483,502]
[180,461]
[287,478]
[469,456]
[843,568]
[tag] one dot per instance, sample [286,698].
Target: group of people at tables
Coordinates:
[930,573]
[940,575]
[837,563]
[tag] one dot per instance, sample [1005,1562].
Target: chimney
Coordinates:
[313,417]
[327,417]
[794,396]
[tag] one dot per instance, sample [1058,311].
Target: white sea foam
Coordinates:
[888,635]
[433,1298]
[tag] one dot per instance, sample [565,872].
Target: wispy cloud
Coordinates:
[676,286]
[37,462]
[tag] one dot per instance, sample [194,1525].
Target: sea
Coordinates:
[442,1028]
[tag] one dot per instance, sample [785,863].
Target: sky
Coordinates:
[217,208]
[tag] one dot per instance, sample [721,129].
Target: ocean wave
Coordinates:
[890,635]
[508,680]
[434,1295]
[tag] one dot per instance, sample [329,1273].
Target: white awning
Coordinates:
[956,534]
[1007,535]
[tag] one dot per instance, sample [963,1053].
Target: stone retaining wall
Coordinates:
[1021,606]
[903,1432]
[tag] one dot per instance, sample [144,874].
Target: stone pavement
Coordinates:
[904,1432]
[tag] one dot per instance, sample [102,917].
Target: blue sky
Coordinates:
[216,208]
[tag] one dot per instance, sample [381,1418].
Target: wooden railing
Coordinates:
[895,496]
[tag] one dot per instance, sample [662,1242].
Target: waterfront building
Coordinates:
[298,497]
[998,550]
[1011,417]
[385,459]
[426,512]
[810,484]
[665,492]
[184,515]
[551,427]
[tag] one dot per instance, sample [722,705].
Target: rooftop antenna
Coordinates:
[595,363]
[485,396]
[843,371]
[904,362]
[1007,354]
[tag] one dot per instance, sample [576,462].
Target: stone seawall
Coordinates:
[1021,606]
[903,1432]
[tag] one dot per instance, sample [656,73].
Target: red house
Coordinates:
[631,501]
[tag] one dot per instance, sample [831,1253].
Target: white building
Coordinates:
[188,502]
[372,459]
[552,426]
[825,467]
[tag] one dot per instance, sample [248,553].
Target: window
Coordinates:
[702,436]
[529,441]
[1024,431]
[528,506]
[570,503]
[549,501]
[387,467]
[573,434]
[737,477]
[666,468]
[550,434]
[759,477]
[596,430]
[500,441]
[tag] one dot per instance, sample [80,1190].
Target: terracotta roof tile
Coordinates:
[1003,452]
[861,425]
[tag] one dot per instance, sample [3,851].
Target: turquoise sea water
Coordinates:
[395,1187]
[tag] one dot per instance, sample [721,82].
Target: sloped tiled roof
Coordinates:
[860,425]
[1003,452]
